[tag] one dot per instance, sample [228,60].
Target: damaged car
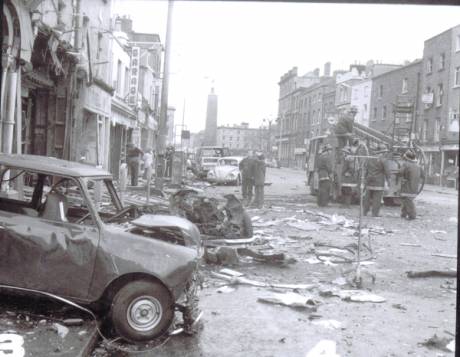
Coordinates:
[64,231]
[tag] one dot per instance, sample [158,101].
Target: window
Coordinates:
[457,47]
[424,130]
[457,77]
[439,96]
[437,128]
[126,83]
[442,61]
[405,88]
[374,117]
[429,65]
[381,91]
[118,84]
[384,112]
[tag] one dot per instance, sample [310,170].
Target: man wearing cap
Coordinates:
[376,174]
[324,168]
[259,180]
[411,174]
[344,128]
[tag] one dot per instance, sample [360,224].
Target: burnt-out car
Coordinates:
[64,231]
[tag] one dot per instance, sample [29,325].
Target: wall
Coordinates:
[361,99]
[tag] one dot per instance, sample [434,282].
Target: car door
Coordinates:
[47,254]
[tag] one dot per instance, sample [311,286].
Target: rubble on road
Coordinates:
[324,348]
[233,256]
[328,324]
[432,273]
[442,343]
[244,281]
[290,299]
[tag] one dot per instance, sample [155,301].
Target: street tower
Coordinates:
[210,132]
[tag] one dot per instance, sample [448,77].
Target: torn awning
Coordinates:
[27,35]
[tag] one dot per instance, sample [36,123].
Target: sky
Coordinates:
[243,48]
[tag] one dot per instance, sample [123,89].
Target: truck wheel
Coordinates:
[142,310]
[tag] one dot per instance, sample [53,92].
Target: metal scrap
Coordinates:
[245,281]
[432,273]
[290,299]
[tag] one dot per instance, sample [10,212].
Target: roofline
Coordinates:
[441,33]
[417,61]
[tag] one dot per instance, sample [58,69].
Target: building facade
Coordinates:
[440,104]
[241,138]
[401,85]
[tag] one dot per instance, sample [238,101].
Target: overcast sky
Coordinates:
[244,48]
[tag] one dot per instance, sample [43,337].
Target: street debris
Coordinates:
[230,272]
[290,299]
[410,245]
[432,273]
[328,324]
[449,256]
[304,226]
[442,343]
[399,307]
[324,348]
[61,330]
[438,231]
[351,295]
[245,281]
[233,256]
[225,289]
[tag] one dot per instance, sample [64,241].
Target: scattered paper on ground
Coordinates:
[288,299]
[329,324]
[324,348]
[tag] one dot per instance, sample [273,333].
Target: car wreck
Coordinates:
[64,231]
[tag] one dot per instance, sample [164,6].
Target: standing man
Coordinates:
[246,167]
[344,127]
[324,175]
[349,175]
[259,180]
[376,175]
[133,160]
[411,174]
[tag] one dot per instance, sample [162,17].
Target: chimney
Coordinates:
[327,69]
[126,24]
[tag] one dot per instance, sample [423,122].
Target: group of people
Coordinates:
[252,169]
[376,178]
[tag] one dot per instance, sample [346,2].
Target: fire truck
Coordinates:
[397,139]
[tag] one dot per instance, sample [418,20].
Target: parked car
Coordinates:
[68,234]
[226,171]
[206,158]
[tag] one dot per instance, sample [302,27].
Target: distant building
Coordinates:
[240,138]
[211,120]
[440,103]
[401,85]
[361,100]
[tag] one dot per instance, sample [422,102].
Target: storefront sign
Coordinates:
[427,98]
[134,79]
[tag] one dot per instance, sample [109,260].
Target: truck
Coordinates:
[206,159]
[397,145]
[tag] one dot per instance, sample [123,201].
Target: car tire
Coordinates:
[142,310]
[246,228]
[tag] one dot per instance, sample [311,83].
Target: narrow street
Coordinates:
[235,323]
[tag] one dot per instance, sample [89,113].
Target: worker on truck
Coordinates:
[324,175]
[376,177]
[344,127]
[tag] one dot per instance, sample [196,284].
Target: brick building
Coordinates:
[389,88]
[440,103]
[240,138]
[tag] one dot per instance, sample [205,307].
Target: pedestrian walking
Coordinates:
[344,128]
[411,174]
[324,175]
[259,180]
[246,167]
[133,160]
[376,175]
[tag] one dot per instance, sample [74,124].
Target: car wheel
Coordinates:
[142,310]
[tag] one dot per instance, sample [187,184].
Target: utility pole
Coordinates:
[162,130]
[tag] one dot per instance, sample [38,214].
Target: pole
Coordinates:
[161,142]
[279,146]
[181,141]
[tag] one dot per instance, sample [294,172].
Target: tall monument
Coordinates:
[210,132]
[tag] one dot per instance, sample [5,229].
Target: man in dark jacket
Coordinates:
[324,169]
[349,179]
[411,174]
[344,128]
[259,180]
[246,167]
[376,174]
[133,159]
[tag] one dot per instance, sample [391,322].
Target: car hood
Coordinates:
[156,222]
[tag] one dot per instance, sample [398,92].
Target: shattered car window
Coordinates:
[100,196]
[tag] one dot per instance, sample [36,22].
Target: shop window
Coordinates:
[429,65]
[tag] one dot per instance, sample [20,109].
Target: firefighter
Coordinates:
[411,174]
[349,175]
[246,167]
[344,128]
[259,180]
[324,175]
[376,176]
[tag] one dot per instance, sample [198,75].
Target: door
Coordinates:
[39,247]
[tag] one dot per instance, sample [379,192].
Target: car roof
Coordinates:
[51,165]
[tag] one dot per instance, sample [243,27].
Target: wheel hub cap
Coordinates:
[144,313]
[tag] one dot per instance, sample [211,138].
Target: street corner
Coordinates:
[43,328]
